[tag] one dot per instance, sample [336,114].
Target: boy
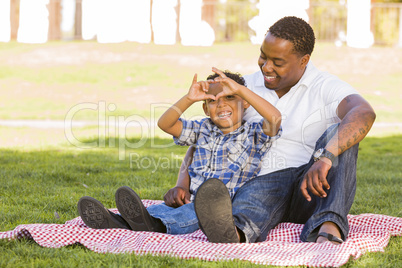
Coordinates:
[227,149]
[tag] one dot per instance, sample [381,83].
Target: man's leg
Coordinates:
[327,214]
[134,212]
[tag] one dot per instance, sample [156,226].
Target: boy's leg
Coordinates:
[181,220]
[213,207]
[96,216]
[155,218]
[335,207]
[134,212]
[257,207]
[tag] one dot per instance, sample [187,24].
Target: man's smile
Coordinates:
[270,78]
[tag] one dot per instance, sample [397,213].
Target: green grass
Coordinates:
[42,173]
[36,183]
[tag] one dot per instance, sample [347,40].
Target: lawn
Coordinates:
[37,184]
[42,173]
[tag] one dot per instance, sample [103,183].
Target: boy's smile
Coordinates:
[227,111]
[224,115]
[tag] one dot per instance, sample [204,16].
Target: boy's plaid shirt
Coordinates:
[233,158]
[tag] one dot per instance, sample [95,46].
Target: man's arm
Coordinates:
[180,194]
[357,118]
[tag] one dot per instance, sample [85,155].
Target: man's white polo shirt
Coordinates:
[308,109]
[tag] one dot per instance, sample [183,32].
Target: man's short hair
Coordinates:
[234,76]
[297,31]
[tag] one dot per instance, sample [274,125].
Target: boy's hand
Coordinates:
[176,197]
[198,90]
[229,87]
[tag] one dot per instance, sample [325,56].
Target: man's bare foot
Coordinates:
[329,228]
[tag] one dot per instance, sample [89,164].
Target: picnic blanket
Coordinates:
[368,233]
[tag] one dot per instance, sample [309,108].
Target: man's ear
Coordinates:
[304,60]
[205,107]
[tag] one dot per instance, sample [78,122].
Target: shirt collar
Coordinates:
[243,126]
[309,75]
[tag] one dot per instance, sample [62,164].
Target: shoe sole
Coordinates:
[95,215]
[132,209]
[213,207]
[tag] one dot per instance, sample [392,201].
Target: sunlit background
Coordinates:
[81,68]
[360,23]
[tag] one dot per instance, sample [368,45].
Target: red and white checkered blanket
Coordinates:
[368,232]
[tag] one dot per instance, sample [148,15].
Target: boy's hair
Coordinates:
[234,76]
[297,31]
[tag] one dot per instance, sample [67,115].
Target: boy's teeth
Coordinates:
[224,114]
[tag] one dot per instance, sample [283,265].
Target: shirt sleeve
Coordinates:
[190,132]
[335,90]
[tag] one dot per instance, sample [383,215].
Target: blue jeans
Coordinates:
[181,220]
[267,200]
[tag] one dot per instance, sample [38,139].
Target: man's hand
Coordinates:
[316,179]
[176,197]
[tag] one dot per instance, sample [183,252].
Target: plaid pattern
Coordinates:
[368,233]
[233,158]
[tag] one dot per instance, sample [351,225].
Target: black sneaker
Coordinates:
[134,212]
[213,207]
[96,216]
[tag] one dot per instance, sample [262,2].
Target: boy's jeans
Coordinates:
[181,220]
[262,203]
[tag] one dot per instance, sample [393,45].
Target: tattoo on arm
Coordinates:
[351,132]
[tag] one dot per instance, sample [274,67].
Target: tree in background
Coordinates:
[233,17]
[14,18]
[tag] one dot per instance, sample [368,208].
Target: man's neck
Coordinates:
[282,93]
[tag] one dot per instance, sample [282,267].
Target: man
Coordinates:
[308,177]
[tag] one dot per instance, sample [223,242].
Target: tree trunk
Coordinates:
[78,20]
[150,20]
[14,18]
[54,8]
[178,39]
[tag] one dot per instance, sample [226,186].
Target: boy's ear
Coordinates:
[246,104]
[205,107]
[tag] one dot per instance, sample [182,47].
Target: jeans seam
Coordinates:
[266,227]
[187,223]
